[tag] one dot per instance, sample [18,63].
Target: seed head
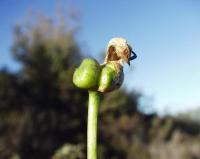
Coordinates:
[119,50]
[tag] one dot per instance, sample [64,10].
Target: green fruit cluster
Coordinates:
[93,76]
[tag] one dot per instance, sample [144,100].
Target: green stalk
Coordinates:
[93,106]
[103,78]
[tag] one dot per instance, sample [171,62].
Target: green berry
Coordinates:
[87,75]
[111,78]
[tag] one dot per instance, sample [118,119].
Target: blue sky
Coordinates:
[164,34]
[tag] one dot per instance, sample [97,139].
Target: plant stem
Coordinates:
[93,106]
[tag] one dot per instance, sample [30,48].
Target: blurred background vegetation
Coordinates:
[43,116]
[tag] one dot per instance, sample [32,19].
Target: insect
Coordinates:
[134,54]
